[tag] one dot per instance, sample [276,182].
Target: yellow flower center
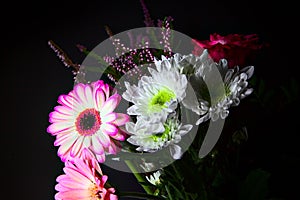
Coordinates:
[95,193]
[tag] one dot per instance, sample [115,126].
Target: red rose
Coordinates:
[237,49]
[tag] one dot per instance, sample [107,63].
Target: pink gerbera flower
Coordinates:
[85,119]
[82,181]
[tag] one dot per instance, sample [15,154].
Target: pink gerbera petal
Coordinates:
[99,99]
[68,183]
[97,146]
[103,180]
[76,175]
[112,149]
[106,90]
[109,117]
[100,158]
[119,136]
[103,139]
[58,127]
[88,155]
[87,141]
[109,129]
[77,146]
[65,138]
[121,119]
[64,110]
[110,104]
[88,93]
[79,91]
[73,194]
[112,196]
[59,117]
[97,84]
[69,101]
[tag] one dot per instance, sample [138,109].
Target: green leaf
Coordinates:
[255,187]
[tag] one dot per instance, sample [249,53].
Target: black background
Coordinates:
[32,78]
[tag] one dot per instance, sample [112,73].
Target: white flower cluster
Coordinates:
[156,99]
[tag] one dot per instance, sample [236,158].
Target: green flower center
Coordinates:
[218,93]
[164,135]
[158,102]
[227,93]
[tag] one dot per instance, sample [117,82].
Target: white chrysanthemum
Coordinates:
[157,95]
[200,71]
[236,88]
[194,66]
[151,137]
[191,64]
[154,178]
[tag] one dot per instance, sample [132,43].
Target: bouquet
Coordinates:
[153,102]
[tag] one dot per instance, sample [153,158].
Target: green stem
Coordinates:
[169,193]
[138,195]
[153,37]
[175,170]
[138,176]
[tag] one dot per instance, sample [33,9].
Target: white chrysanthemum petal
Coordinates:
[130,92]
[185,129]
[249,71]
[247,92]
[175,151]
[130,127]
[133,110]
[151,71]
[203,119]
